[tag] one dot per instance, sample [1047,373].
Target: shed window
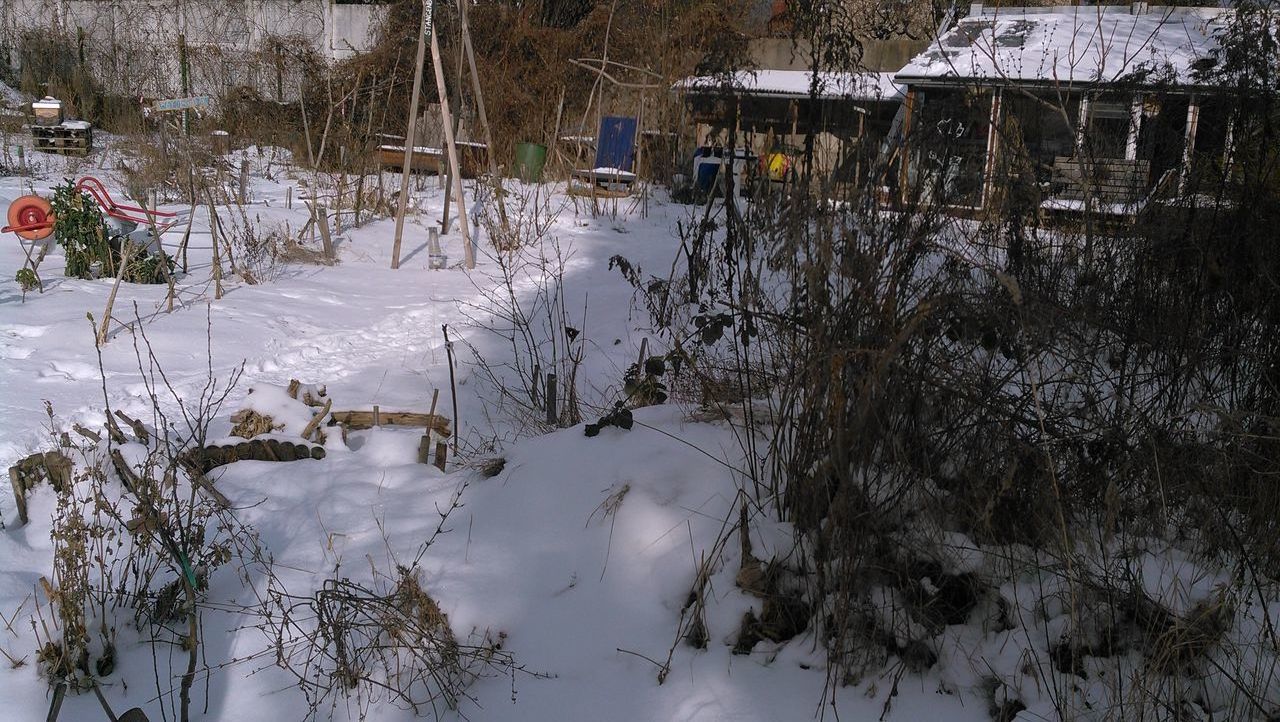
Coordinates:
[1107,133]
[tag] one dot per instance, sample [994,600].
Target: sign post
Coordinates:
[172,104]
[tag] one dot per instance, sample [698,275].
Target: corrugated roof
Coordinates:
[1072,44]
[795,84]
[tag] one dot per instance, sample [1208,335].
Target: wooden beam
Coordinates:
[904,158]
[358,420]
[1229,146]
[1189,146]
[1082,122]
[1135,127]
[993,147]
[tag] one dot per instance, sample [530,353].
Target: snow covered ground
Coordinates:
[581,552]
[582,597]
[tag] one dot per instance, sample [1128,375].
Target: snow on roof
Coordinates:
[1083,44]
[795,84]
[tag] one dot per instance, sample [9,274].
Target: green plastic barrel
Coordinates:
[530,158]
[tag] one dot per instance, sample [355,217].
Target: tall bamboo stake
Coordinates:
[452,148]
[484,118]
[409,140]
[126,250]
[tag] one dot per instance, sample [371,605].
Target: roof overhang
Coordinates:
[796,85]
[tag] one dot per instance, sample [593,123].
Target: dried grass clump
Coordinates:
[249,423]
[371,644]
[290,250]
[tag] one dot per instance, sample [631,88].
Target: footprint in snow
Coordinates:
[24,331]
[69,371]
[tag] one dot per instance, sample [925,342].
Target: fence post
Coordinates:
[553,418]
[537,379]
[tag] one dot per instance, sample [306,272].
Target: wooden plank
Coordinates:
[494,178]
[389,156]
[358,420]
[455,167]
[19,493]
[1189,142]
[993,147]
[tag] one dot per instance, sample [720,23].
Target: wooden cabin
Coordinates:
[1063,108]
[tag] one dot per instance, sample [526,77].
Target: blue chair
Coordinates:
[615,154]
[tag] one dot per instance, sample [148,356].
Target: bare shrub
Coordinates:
[1058,402]
[529,317]
[138,533]
[390,643]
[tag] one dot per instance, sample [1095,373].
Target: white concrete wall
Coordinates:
[351,29]
[132,45]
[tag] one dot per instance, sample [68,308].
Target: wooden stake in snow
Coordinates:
[453,389]
[321,215]
[19,493]
[424,444]
[442,454]
[217,256]
[447,183]
[125,252]
[553,417]
[409,139]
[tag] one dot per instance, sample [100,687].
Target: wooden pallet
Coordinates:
[62,140]
[474,158]
[582,191]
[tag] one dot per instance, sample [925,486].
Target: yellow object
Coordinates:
[777,166]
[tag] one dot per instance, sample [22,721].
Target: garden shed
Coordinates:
[848,114]
[1064,107]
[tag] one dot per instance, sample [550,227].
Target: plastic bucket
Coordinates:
[530,158]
